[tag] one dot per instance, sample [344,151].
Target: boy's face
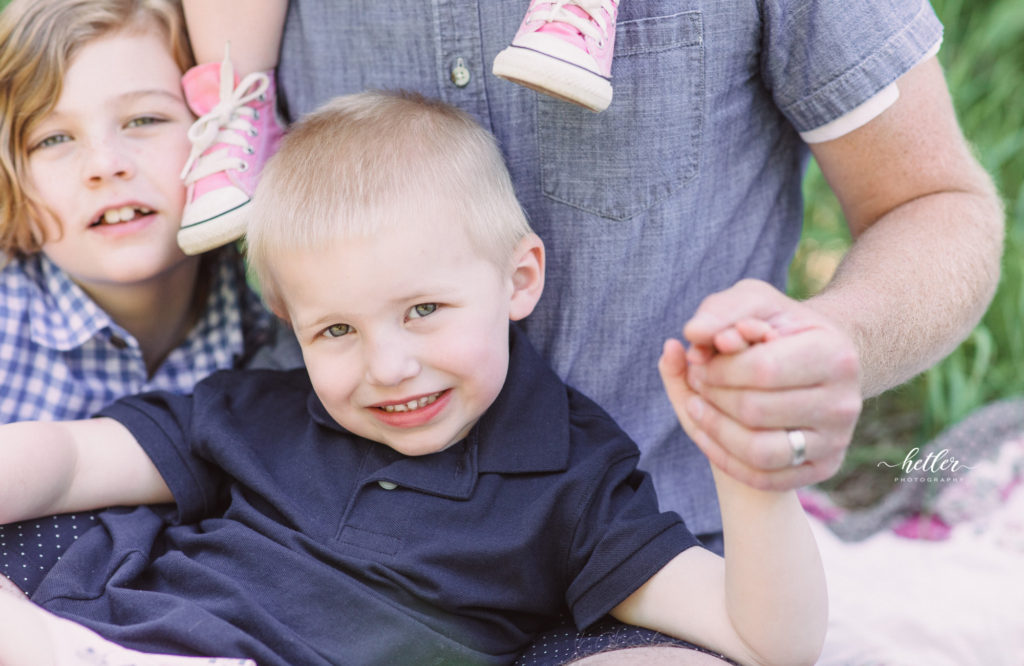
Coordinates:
[405,334]
[106,162]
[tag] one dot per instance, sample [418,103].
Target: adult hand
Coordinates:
[747,389]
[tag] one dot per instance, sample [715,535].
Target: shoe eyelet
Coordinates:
[253,132]
[249,150]
[243,166]
[262,97]
[255,114]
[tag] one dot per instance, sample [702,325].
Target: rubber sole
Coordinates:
[212,233]
[555,77]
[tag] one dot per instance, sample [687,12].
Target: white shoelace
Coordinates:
[228,123]
[558,12]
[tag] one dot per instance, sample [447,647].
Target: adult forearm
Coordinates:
[928,228]
[916,282]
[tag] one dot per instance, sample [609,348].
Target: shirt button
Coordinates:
[387,485]
[460,73]
[118,342]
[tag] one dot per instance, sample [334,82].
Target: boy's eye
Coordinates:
[50,141]
[337,330]
[422,310]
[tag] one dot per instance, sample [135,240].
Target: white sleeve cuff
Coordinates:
[862,114]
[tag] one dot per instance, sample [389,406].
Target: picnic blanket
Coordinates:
[934,574]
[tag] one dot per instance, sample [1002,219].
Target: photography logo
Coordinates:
[936,467]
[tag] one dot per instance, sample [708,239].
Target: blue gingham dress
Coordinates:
[62,357]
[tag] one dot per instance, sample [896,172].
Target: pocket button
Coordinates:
[460,73]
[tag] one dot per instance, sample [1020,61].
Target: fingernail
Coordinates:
[703,321]
[696,377]
[696,407]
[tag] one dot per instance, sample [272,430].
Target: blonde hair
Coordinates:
[377,160]
[38,40]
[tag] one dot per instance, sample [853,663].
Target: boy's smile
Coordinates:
[404,333]
[411,413]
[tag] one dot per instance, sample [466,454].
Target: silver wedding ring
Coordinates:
[798,445]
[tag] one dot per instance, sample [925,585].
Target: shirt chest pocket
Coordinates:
[620,162]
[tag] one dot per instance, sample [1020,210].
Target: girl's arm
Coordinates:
[766,603]
[31,635]
[48,468]
[252,27]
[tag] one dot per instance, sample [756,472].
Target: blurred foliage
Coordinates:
[983,56]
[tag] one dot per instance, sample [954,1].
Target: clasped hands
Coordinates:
[765,381]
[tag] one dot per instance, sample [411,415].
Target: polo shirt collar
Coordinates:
[525,431]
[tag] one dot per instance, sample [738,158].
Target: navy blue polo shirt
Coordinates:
[295,542]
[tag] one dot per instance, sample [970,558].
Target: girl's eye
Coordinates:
[422,310]
[337,330]
[142,121]
[50,141]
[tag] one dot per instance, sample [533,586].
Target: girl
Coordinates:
[563,48]
[96,299]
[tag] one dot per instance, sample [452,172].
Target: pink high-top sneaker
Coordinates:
[237,132]
[564,49]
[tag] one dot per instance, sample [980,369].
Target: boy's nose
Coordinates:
[389,363]
[106,159]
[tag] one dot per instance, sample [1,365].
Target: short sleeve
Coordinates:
[160,422]
[622,539]
[824,58]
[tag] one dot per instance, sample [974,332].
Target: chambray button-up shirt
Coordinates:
[689,182]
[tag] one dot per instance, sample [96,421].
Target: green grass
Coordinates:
[983,55]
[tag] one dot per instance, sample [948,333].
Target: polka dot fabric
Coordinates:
[29,549]
[564,644]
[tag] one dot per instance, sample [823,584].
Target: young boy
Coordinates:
[427,490]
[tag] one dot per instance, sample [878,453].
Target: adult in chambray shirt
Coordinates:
[681,204]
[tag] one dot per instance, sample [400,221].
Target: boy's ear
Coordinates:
[276,305]
[282,315]
[527,276]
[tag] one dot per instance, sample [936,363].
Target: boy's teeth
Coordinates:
[412,404]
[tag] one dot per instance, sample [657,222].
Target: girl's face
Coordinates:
[106,163]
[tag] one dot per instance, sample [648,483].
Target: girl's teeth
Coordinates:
[412,404]
[122,214]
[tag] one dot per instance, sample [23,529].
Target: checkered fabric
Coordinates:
[62,357]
